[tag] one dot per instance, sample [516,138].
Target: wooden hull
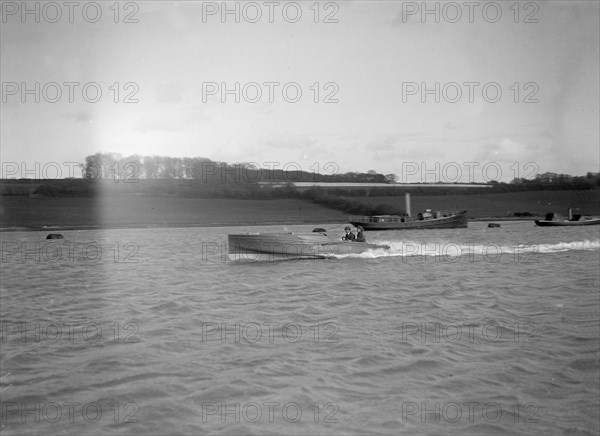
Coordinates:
[546,223]
[457,220]
[273,246]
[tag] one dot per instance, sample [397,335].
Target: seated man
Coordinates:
[360,236]
[349,236]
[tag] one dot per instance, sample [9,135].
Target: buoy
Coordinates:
[55,236]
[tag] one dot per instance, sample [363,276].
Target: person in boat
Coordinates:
[360,236]
[349,236]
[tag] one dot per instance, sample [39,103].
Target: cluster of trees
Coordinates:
[557,181]
[133,168]
[113,174]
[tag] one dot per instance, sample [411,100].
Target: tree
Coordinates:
[93,167]
[391,178]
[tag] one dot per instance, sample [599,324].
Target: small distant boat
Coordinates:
[557,220]
[274,246]
[424,220]
[493,225]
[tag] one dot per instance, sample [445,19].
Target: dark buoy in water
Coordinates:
[319,230]
[493,225]
[55,236]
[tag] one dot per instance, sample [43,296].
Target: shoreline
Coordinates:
[157,226]
[211,225]
[21,213]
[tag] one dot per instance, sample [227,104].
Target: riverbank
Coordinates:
[504,205]
[45,213]
[53,213]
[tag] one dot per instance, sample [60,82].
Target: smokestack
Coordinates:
[407,203]
[570,213]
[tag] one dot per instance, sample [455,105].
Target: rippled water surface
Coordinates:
[155,331]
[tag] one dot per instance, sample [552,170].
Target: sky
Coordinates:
[436,91]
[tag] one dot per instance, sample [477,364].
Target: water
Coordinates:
[154,331]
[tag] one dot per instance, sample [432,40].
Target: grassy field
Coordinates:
[71,212]
[140,211]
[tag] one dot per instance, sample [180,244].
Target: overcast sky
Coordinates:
[371,61]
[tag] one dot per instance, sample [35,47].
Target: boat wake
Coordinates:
[454,250]
[570,246]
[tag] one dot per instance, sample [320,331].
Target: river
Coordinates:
[155,331]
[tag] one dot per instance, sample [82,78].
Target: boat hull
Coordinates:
[275,246]
[546,223]
[457,220]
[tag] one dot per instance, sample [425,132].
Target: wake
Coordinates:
[455,250]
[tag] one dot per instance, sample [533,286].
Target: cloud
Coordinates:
[82,116]
[169,93]
[290,142]
[160,121]
[386,143]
